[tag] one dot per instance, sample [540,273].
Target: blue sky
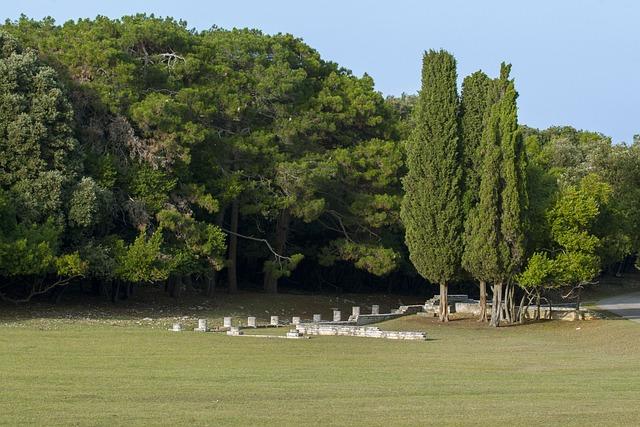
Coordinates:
[576,62]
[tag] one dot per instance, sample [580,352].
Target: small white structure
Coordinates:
[317,318]
[251,322]
[274,320]
[295,320]
[234,331]
[226,322]
[294,333]
[177,327]
[202,326]
[337,316]
[375,309]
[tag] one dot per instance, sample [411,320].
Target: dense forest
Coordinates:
[139,152]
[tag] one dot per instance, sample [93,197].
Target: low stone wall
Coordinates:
[432,309]
[358,331]
[431,305]
[367,319]
[469,307]
[563,313]
[569,312]
[410,309]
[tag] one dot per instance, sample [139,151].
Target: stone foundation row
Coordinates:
[358,331]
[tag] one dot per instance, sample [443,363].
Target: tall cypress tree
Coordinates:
[431,208]
[473,109]
[494,230]
[514,195]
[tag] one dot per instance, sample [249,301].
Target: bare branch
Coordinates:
[257,239]
[38,290]
[171,58]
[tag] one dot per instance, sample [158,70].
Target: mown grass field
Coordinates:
[61,371]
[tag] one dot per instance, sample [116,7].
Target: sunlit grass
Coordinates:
[554,373]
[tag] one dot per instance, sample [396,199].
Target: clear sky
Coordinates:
[576,62]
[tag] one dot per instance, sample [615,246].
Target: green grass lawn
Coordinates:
[74,372]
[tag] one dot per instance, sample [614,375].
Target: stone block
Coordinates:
[317,318]
[468,307]
[294,333]
[251,322]
[177,327]
[202,326]
[337,316]
[375,309]
[295,320]
[275,320]
[226,322]
[234,331]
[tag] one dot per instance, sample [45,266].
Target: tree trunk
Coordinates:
[444,303]
[127,291]
[115,291]
[507,304]
[512,306]
[210,284]
[176,286]
[483,302]
[188,282]
[104,292]
[282,228]
[496,309]
[169,285]
[522,311]
[211,275]
[233,248]
[96,287]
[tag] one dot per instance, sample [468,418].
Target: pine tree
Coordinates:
[431,209]
[473,110]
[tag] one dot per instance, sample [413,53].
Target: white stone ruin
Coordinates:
[234,331]
[274,320]
[359,331]
[337,316]
[202,326]
[295,320]
[317,318]
[251,322]
[177,327]
[294,333]
[226,322]
[375,309]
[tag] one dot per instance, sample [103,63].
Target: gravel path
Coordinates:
[627,305]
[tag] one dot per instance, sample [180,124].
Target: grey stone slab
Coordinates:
[251,322]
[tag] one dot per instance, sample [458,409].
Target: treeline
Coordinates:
[139,151]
